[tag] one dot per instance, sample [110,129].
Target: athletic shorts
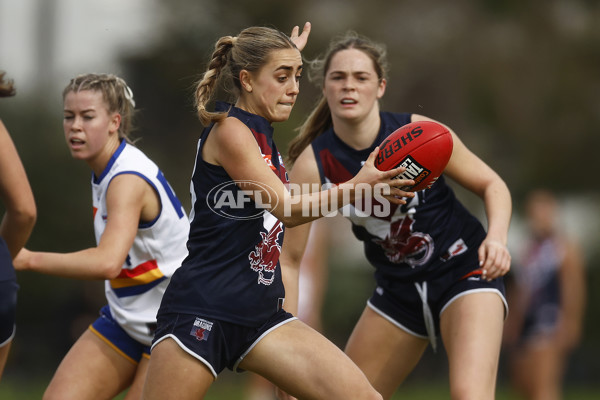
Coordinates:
[217,344]
[8,295]
[416,306]
[107,329]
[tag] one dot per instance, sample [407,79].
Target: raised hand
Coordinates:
[300,39]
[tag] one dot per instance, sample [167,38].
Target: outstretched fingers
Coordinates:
[398,192]
[394,188]
[298,38]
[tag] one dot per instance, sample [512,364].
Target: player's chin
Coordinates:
[282,113]
[77,154]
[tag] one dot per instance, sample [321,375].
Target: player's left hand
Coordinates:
[494,259]
[300,39]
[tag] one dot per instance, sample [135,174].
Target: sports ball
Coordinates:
[423,147]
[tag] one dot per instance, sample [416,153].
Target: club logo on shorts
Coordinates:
[201,329]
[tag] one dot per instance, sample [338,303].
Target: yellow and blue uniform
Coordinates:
[157,251]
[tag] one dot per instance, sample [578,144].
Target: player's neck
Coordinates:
[358,134]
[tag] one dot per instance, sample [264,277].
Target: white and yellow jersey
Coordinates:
[157,251]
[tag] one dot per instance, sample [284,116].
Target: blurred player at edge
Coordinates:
[15,228]
[547,302]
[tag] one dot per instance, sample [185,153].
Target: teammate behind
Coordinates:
[437,270]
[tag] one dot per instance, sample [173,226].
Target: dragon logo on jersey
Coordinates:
[402,245]
[265,256]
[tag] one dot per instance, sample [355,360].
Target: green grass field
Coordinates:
[230,387]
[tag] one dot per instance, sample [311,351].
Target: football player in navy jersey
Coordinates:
[547,299]
[437,270]
[17,223]
[224,306]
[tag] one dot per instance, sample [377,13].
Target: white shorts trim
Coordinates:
[237,363]
[394,322]
[196,356]
[480,290]
[12,336]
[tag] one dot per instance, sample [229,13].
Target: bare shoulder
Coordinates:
[127,187]
[228,139]
[230,130]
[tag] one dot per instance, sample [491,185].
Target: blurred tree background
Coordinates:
[519,81]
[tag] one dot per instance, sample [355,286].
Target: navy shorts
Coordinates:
[107,329]
[8,295]
[402,302]
[217,344]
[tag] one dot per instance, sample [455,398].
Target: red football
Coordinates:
[423,147]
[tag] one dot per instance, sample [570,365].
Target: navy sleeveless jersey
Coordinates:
[232,270]
[409,241]
[7,271]
[538,274]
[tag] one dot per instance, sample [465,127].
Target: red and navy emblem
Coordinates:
[201,329]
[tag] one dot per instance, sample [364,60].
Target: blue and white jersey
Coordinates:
[157,251]
[408,241]
[232,271]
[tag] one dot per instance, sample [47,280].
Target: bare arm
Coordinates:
[472,173]
[127,197]
[304,171]
[573,297]
[17,196]
[232,146]
[314,272]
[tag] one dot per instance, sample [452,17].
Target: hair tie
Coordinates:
[127,91]
[129,95]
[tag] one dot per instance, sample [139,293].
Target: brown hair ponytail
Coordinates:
[248,51]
